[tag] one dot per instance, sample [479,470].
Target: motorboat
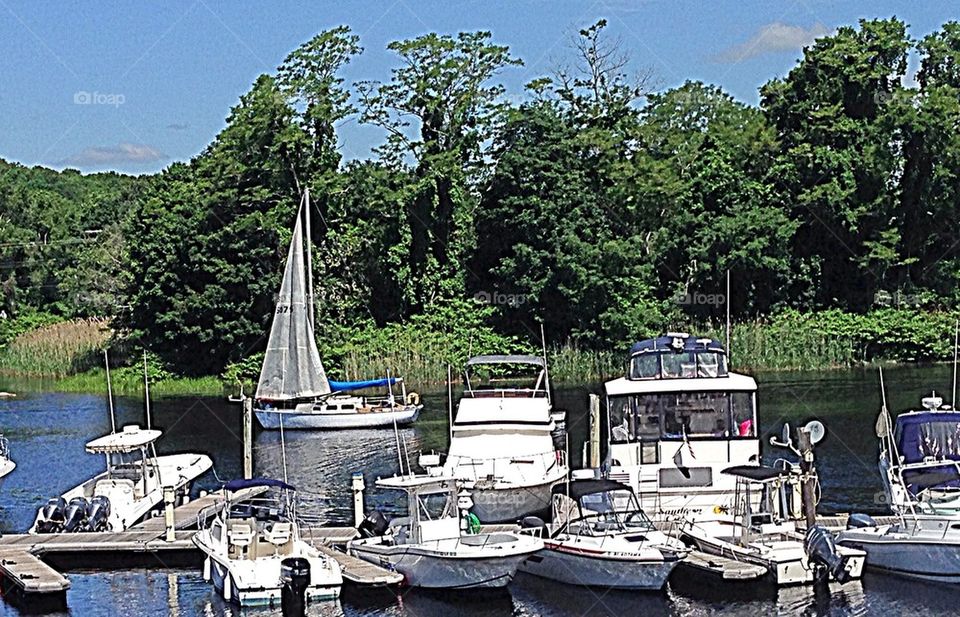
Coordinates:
[676,420]
[764,533]
[128,491]
[439,544]
[600,537]
[918,546]
[6,463]
[502,438]
[920,459]
[293,391]
[247,544]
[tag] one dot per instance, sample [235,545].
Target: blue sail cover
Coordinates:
[932,436]
[345,386]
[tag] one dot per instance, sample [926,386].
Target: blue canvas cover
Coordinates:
[931,436]
[345,386]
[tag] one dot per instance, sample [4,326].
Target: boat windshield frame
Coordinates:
[624,507]
[539,376]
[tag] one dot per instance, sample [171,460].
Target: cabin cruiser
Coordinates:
[128,491]
[765,533]
[502,445]
[439,544]
[247,544]
[6,463]
[599,537]
[677,419]
[920,459]
[293,391]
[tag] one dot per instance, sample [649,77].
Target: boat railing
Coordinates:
[473,468]
[505,393]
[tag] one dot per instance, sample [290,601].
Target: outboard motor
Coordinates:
[99,514]
[821,549]
[373,526]
[859,521]
[76,514]
[295,576]
[52,516]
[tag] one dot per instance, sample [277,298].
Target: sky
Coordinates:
[134,86]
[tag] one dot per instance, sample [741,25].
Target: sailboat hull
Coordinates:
[305,416]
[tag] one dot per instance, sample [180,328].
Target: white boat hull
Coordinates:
[437,571]
[262,596]
[936,560]
[305,417]
[594,569]
[509,504]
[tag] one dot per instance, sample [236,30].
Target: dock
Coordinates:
[723,567]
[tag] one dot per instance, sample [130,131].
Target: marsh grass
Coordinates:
[56,350]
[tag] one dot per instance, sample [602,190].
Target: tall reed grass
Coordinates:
[56,350]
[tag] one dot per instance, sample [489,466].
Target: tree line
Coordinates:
[593,205]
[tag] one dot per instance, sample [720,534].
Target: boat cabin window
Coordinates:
[670,365]
[652,417]
[436,506]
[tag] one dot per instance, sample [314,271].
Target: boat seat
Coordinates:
[279,535]
[241,535]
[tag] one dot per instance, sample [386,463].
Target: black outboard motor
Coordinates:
[859,521]
[821,549]
[51,520]
[373,526]
[76,514]
[99,514]
[295,576]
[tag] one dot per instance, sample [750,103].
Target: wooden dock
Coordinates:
[29,575]
[362,572]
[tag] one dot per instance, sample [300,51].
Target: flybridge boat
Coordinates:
[600,537]
[764,533]
[130,488]
[502,445]
[920,459]
[293,390]
[439,545]
[248,544]
[677,419]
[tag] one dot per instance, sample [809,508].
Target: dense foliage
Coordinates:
[593,205]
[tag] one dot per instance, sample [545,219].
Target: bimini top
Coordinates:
[579,488]
[240,484]
[925,435]
[506,359]
[757,473]
[131,438]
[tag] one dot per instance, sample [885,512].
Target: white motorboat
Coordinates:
[293,390]
[920,459]
[502,445]
[6,463]
[433,547]
[919,546]
[128,491]
[600,537]
[676,420]
[247,545]
[765,535]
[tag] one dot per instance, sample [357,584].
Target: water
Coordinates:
[47,432]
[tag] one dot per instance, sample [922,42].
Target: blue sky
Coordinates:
[134,86]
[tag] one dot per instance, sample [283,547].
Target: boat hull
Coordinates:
[306,418]
[262,596]
[590,569]
[927,559]
[433,571]
[500,505]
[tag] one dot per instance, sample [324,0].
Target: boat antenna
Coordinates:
[405,453]
[450,400]
[146,388]
[729,355]
[546,370]
[283,449]
[956,340]
[113,420]
[306,203]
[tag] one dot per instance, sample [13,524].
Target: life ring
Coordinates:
[413,398]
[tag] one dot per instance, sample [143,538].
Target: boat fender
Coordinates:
[859,520]
[473,523]
[413,398]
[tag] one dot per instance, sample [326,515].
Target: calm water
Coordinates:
[47,432]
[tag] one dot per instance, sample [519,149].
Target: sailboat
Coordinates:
[293,387]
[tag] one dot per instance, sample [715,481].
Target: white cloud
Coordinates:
[120,154]
[772,38]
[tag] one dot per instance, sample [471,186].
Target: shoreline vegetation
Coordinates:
[67,356]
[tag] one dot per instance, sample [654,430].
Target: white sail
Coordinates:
[291,367]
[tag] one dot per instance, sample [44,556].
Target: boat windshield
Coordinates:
[128,465]
[681,415]
[684,365]
[436,506]
[610,511]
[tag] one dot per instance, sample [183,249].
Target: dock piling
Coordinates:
[169,496]
[358,486]
[594,431]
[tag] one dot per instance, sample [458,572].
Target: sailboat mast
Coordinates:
[306,199]
[113,420]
